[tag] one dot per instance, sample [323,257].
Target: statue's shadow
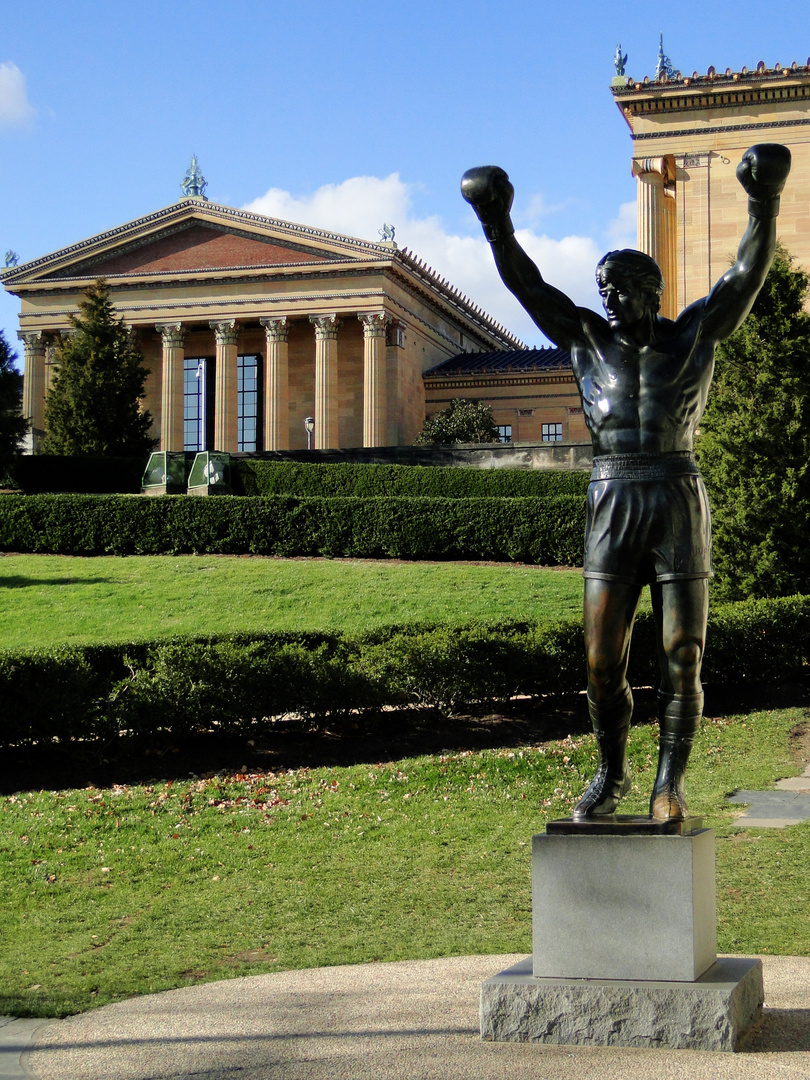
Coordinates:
[780,1031]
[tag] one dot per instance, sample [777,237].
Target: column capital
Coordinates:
[374,323]
[326,326]
[172,334]
[226,331]
[276,327]
[32,339]
[662,166]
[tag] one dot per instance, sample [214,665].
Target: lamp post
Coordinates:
[309,426]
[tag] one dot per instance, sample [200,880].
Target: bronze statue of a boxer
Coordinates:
[643,380]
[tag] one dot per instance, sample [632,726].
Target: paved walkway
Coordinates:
[788,804]
[412,1020]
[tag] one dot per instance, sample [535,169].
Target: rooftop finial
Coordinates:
[619,61]
[194,183]
[664,66]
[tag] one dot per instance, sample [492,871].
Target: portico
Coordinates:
[249,324]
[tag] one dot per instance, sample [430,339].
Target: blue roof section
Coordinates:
[518,361]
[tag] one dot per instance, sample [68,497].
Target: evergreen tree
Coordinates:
[464,420]
[13,424]
[754,446]
[93,407]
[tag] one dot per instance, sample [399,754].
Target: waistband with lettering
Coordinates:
[644,466]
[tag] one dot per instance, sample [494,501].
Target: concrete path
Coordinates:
[402,1021]
[787,805]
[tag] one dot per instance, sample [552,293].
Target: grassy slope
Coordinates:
[89,599]
[105,894]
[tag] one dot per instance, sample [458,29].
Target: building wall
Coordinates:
[524,402]
[703,125]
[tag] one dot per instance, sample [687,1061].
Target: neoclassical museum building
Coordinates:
[249,325]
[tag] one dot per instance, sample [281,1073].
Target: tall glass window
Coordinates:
[247,393]
[195,371]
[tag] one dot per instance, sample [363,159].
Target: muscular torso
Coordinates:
[643,399]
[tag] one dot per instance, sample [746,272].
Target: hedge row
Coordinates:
[253,476]
[547,532]
[38,473]
[237,683]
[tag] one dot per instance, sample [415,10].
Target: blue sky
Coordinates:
[346,114]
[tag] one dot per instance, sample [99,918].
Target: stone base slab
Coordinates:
[712,1013]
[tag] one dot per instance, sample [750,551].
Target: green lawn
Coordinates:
[105,894]
[79,600]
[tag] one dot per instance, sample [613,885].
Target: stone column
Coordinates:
[276,384]
[326,401]
[172,435]
[375,411]
[656,221]
[225,403]
[33,406]
[51,348]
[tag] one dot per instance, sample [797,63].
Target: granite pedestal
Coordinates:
[624,946]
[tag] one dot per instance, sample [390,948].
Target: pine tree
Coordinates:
[13,424]
[754,446]
[464,420]
[93,407]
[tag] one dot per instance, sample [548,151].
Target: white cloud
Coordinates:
[359,207]
[623,230]
[15,108]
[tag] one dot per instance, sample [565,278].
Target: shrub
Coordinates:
[37,473]
[254,476]
[524,529]
[185,685]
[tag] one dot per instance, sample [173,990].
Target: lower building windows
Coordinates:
[552,432]
[505,432]
[195,401]
[198,403]
[247,403]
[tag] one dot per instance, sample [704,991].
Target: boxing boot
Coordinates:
[611,724]
[679,719]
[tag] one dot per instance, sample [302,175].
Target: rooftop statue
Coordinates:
[643,380]
[619,61]
[194,183]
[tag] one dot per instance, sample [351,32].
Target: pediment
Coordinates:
[195,245]
[194,236]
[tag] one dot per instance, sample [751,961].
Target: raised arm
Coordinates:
[490,194]
[762,172]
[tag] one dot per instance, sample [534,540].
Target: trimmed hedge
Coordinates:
[253,476]
[543,531]
[241,682]
[37,473]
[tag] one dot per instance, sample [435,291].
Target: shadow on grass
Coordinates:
[387,737]
[16,581]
